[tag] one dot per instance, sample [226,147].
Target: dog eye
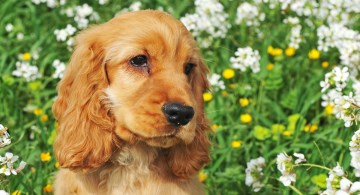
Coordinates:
[139,61]
[188,68]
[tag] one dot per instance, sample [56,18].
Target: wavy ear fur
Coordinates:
[85,137]
[186,160]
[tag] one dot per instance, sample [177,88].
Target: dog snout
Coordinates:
[178,114]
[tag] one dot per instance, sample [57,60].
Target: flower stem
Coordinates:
[312,165]
[295,190]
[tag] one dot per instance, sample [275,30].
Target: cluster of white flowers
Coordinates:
[66,34]
[209,21]
[246,58]
[254,173]
[4,136]
[340,11]
[249,14]
[136,6]
[216,82]
[59,69]
[346,106]
[354,146]
[50,3]
[300,7]
[295,35]
[286,166]
[27,71]
[7,162]
[337,183]
[84,14]
[345,40]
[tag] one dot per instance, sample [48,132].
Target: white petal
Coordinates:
[345,184]
[355,187]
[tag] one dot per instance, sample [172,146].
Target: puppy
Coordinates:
[130,110]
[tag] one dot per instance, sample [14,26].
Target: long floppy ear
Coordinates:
[85,137]
[186,160]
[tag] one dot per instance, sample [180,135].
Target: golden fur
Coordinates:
[113,137]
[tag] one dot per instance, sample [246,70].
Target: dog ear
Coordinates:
[186,160]
[85,137]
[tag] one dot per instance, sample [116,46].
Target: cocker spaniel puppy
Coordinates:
[130,110]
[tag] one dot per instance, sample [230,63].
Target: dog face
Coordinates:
[138,77]
[152,72]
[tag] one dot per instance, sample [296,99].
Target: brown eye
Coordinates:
[188,68]
[139,61]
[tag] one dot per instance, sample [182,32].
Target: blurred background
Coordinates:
[284,77]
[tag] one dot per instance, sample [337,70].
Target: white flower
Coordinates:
[2,192]
[246,58]
[8,161]
[20,36]
[59,69]
[354,147]
[63,34]
[9,27]
[286,179]
[249,14]
[209,20]
[4,136]
[300,158]
[282,161]
[254,173]
[215,80]
[338,170]
[103,2]
[27,71]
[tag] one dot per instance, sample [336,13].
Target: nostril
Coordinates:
[178,114]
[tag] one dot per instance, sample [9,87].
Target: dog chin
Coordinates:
[163,142]
[185,136]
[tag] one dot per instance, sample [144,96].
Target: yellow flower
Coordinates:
[57,165]
[38,111]
[329,110]
[228,73]
[325,64]
[236,144]
[207,96]
[214,127]
[26,56]
[45,156]
[48,188]
[44,118]
[274,51]
[245,118]
[290,51]
[287,133]
[269,66]
[17,192]
[244,102]
[232,86]
[202,176]
[224,93]
[311,128]
[314,54]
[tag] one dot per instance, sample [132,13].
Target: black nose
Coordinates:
[178,114]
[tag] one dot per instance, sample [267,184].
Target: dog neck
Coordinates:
[132,163]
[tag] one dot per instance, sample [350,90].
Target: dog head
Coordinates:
[138,77]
